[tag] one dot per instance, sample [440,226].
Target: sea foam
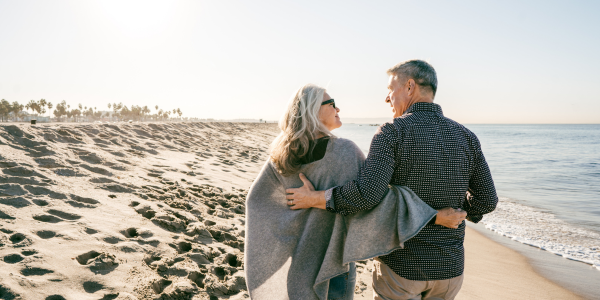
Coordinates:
[543,230]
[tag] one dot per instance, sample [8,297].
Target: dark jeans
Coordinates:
[342,286]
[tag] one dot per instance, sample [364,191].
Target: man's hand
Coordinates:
[450,217]
[305,196]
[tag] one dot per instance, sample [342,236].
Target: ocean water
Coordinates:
[548,181]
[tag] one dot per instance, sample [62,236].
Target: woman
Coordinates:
[305,136]
[305,254]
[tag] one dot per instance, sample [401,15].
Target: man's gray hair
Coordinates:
[420,71]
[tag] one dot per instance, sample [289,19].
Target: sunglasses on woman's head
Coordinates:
[330,101]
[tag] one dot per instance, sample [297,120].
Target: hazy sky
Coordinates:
[497,61]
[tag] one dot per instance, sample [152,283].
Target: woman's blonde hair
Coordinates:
[299,126]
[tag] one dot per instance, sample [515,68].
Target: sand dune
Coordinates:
[128,211]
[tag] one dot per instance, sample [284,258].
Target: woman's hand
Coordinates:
[450,217]
[305,196]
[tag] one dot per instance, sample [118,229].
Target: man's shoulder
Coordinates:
[466,132]
[416,119]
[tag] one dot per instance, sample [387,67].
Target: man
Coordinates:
[441,161]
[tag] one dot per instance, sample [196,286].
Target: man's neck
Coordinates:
[420,99]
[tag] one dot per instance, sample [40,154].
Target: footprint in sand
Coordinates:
[159,285]
[40,202]
[133,232]
[152,258]
[91,158]
[146,212]
[83,259]
[117,188]
[112,239]
[20,240]
[46,234]
[29,252]
[97,170]
[197,278]
[124,296]
[22,172]
[47,218]
[13,259]
[6,293]
[64,215]
[7,190]
[79,202]
[101,180]
[35,271]
[102,262]
[232,260]
[5,216]
[92,287]
[17,202]
[182,247]
[36,190]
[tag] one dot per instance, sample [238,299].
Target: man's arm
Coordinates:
[361,194]
[373,179]
[481,197]
[369,188]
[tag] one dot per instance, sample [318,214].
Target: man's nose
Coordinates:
[337,109]
[387,99]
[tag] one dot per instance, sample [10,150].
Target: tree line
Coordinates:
[64,113]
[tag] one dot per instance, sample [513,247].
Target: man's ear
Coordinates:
[411,85]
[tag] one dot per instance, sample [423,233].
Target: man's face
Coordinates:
[397,97]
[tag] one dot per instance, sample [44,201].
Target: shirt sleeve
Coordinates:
[481,197]
[373,179]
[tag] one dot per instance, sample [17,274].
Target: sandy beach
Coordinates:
[156,211]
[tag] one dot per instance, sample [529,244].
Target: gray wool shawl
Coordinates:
[292,254]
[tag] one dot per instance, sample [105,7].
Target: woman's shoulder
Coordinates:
[344,145]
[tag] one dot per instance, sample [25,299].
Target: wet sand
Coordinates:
[493,271]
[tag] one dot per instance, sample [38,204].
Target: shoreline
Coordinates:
[575,276]
[494,271]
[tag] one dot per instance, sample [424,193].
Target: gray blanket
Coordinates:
[292,254]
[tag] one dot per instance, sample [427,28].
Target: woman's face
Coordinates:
[328,114]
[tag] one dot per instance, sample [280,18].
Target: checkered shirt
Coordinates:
[442,162]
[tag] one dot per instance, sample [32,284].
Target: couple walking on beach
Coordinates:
[404,205]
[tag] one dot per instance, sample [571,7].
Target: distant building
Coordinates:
[39,119]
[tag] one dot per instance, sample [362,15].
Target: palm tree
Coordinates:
[61,109]
[145,111]
[16,109]
[4,109]
[32,105]
[41,106]
[49,107]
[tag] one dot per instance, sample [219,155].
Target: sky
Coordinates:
[497,61]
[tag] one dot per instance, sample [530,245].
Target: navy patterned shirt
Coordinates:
[442,162]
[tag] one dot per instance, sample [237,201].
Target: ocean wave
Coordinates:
[543,230]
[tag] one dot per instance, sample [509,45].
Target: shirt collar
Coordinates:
[424,106]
